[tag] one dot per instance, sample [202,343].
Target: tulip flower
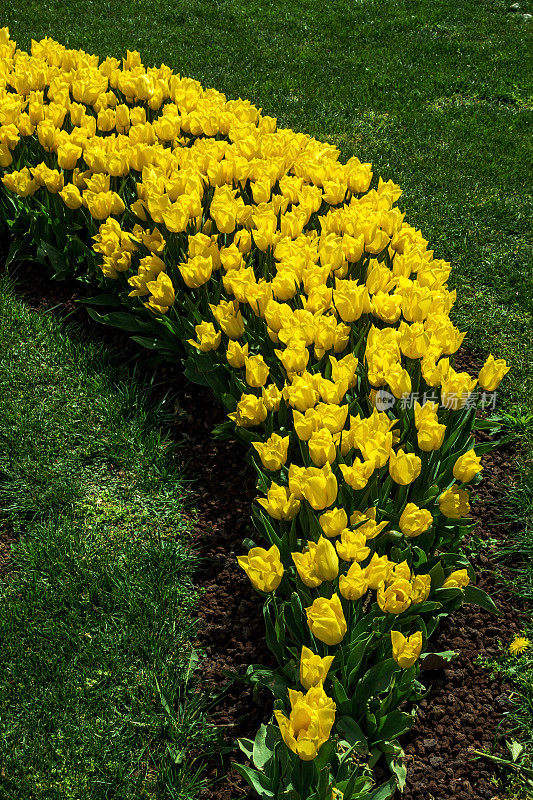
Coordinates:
[420,588]
[322,447]
[263,567]
[456,389]
[309,723]
[280,503]
[319,487]
[396,598]
[273,452]
[453,503]
[306,566]
[414,520]
[230,319]
[457,580]
[326,620]
[430,436]
[302,393]
[467,466]
[313,668]
[354,584]
[71,196]
[326,560]
[256,371]
[378,570]
[406,651]
[404,467]
[271,397]
[366,523]
[492,373]
[236,354]
[358,475]
[352,546]
[162,293]
[250,411]
[333,522]
[208,337]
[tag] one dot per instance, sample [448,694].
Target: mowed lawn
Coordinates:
[97,609]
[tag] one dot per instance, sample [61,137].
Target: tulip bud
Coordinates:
[326,560]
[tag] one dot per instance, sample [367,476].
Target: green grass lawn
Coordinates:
[97,611]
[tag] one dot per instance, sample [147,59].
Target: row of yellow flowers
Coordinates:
[295,289]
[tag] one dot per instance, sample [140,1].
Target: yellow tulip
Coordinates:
[430,436]
[467,466]
[333,522]
[251,411]
[309,723]
[271,397]
[396,598]
[326,620]
[236,354]
[319,487]
[263,567]
[377,571]
[453,503]
[420,588]
[256,371]
[492,373]
[354,584]
[280,503]
[414,520]
[326,560]
[322,447]
[457,580]
[313,668]
[358,475]
[406,651]
[162,293]
[273,452]
[71,196]
[404,467]
[208,337]
[352,546]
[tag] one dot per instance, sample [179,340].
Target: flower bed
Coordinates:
[295,290]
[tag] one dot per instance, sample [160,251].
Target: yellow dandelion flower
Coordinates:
[518,645]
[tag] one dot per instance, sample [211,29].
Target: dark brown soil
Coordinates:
[6,540]
[465,708]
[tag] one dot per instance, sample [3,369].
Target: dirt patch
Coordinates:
[465,708]
[7,538]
